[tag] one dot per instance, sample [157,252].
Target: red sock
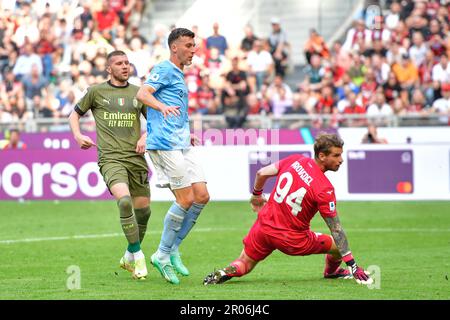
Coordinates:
[240,268]
[331,264]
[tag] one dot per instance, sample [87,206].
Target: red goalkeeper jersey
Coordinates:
[301,190]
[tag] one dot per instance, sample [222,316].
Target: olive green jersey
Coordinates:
[117,118]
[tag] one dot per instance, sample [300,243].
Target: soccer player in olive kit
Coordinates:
[283,221]
[169,145]
[121,149]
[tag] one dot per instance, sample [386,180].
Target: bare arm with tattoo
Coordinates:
[340,239]
[338,234]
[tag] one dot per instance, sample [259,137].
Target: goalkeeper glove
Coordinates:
[361,276]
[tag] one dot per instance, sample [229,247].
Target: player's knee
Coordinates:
[125,205]
[202,198]
[186,201]
[142,215]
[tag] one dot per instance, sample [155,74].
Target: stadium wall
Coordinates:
[57,169]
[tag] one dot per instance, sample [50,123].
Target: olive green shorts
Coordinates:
[134,176]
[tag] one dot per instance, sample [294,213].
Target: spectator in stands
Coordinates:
[376,48]
[417,23]
[46,48]
[406,72]
[442,105]
[139,55]
[201,53]
[440,75]
[418,50]
[216,65]
[34,86]
[368,87]
[425,76]
[8,52]
[249,39]
[217,40]
[11,91]
[279,47]
[206,97]
[418,103]
[27,32]
[356,34]
[379,31]
[280,96]
[395,53]
[234,94]
[393,17]
[372,136]
[26,61]
[315,45]
[343,95]
[326,102]
[14,142]
[357,70]
[66,99]
[380,68]
[436,40]
[343,59]
[106,20]
[354,108]
[392,88]
[86,17]
[379,108]
[260,66]
[344,84]
[123,9]
[315,72]
[135,18]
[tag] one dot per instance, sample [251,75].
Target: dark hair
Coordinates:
[14,130]
[114,53]
[178,33]
[325,141]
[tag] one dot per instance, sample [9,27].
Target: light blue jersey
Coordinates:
[172,132]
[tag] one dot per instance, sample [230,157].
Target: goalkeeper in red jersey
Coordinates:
[283,221]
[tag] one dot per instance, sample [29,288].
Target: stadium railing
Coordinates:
[291,121]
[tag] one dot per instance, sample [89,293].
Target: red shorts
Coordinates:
[258,243]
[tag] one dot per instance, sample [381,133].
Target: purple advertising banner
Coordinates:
[65,140]
[51,174]
[52,140]
[257,160]
[375,171]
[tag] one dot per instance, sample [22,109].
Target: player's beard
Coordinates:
[121,77]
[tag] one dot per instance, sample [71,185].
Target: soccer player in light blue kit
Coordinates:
[169,144]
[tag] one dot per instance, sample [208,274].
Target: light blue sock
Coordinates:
[188,224]
[172,225]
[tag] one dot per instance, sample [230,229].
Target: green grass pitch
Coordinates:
[408,241]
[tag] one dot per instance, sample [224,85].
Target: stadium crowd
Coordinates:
[392,63]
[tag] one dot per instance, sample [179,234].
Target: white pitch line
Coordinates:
[97,236]
[112,235]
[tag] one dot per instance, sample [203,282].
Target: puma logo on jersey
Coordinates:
[330,192]
[107,101]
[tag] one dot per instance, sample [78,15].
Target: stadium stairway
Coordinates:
[330,18]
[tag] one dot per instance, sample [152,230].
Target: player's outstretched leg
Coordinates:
[161,258]
[142,217]
[131,231]
[332,267]
[237,268]
[188,223]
